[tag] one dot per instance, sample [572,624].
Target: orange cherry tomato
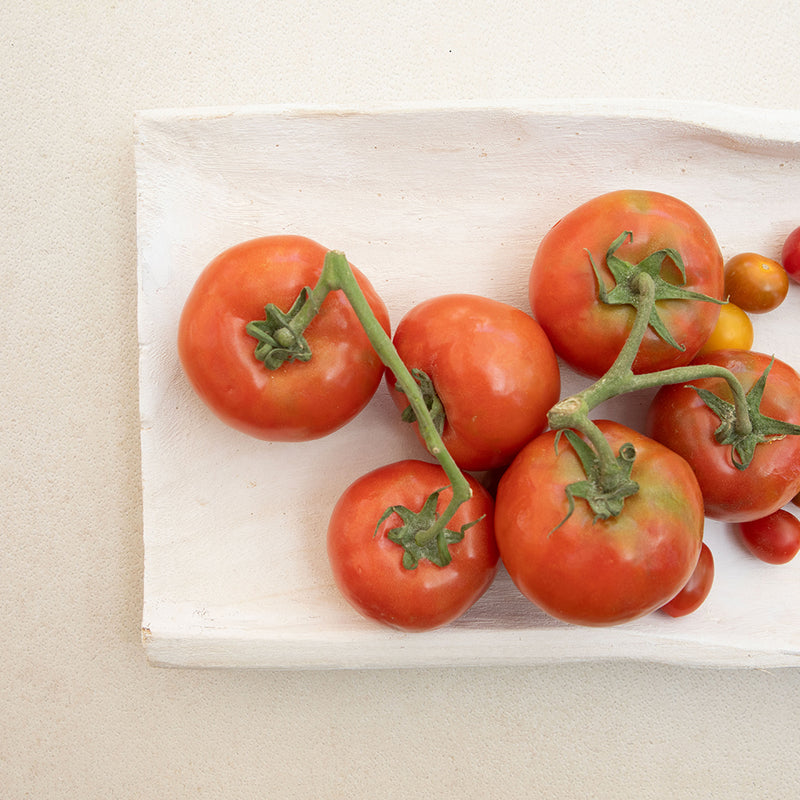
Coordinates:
[755,283]
[733,331]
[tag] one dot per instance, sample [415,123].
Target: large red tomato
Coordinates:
[598,572]
[368,565]
[680,419]
[588,333]
[491,369]
[298,400]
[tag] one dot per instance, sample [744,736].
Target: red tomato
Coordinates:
[368,566]
[755,283]
[299,400]
[774,538]
[790,255]
[679,419]
[733,331]
[602,572]
[697,589]
[492,369]
[587,333]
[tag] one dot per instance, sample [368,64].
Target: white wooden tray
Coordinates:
[425,201]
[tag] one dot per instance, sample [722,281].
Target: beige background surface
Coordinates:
[82,715]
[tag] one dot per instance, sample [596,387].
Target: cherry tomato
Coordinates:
[733,331]
[680,419]
[563,288]
[368,566]
[602,572]
[697,589]
[299,400]
[790,254]
[755,283]
[492,369]
[774,539]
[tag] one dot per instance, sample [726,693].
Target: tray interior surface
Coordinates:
[424,201]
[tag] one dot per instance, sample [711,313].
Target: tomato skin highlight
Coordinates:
[790,255]
[368,569]
[680,420]
[493,369]
[298,401]
[697,588]
[610,571]
[587,333]
[755,283]
[774,539]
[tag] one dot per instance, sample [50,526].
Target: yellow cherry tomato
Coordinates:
[755,283]
[733,331]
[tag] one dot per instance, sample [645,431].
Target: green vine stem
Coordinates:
[280,331]
[608,478]
[620,379]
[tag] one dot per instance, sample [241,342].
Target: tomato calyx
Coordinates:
[430,398]
[278,340]
[606,485]
[627,288]
[762,427]
[419,536]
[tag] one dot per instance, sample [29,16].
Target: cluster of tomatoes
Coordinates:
[590,540]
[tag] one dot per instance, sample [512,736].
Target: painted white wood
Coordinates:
[424,200]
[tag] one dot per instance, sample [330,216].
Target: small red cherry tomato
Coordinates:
[790,255]
[774,539]
[697,588]
[755,283]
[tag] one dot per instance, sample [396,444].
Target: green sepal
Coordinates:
[278,342]
[436,550]
[764,428]
[626,275]
[432,401]
[605,494]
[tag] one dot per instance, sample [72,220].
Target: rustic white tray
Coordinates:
[424,200]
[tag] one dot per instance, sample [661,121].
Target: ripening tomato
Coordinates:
[563,287]
[755,283]
[790,254]
[774,539]
[491,368]
[679,418]
[733,331]
[368,566]
[298,400]
[697,588]
[601,572]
